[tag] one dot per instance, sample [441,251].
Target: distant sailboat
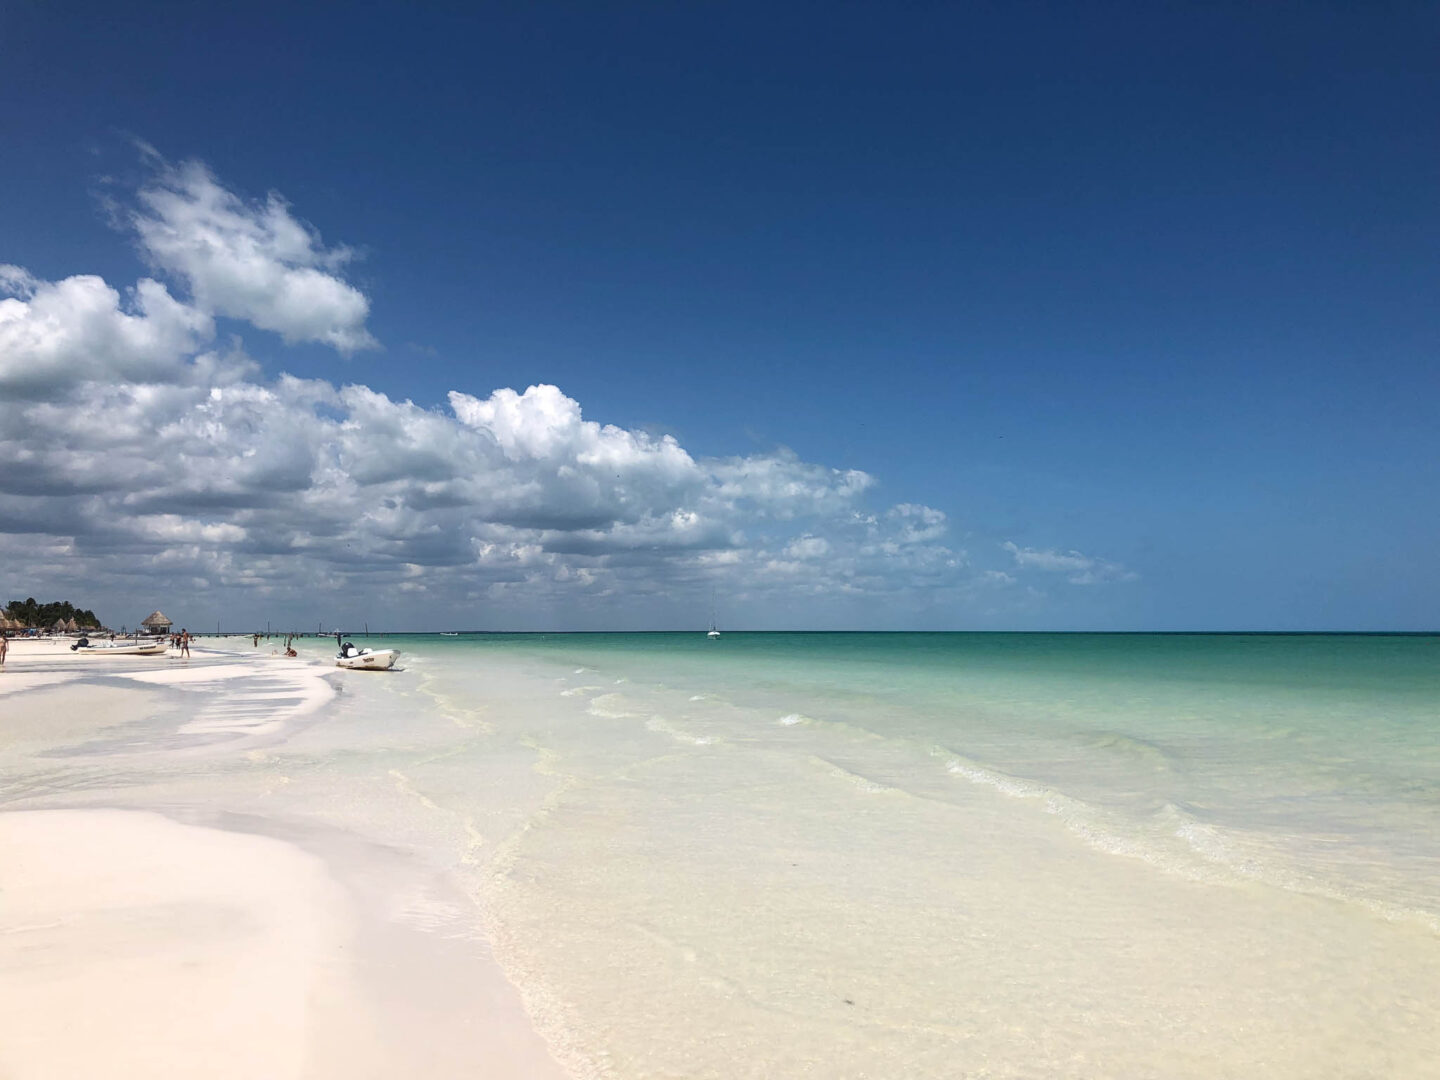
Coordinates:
[712,633]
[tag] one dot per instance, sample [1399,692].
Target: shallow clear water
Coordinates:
[953,854]
[857,855]
[1289,741]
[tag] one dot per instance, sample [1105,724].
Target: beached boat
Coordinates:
[366,659]
[152,647]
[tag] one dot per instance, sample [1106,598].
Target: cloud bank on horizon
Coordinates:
[144,456]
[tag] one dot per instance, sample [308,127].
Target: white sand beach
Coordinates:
[607,856]
[158,919]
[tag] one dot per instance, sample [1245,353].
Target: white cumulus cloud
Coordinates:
[59,333]
[249,260]
[139,459]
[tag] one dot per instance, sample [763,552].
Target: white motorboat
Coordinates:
[366,659]
[150,647]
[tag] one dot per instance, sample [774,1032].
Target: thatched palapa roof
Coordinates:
[156,620]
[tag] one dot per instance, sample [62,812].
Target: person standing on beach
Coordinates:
[4,645]
[184,642]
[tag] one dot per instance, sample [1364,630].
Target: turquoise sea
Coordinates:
[775,856]
[947,855]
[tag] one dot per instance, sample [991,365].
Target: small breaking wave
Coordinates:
[1176,840]
[1227,849]
[661,726]
[867,784]
[609,707]
[1099,829]
[580,691]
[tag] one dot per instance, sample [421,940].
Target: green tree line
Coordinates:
[32,614]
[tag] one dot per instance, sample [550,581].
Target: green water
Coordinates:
[1161,855]
[919,855]
[1309,761]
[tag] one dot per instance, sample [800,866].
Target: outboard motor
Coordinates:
[83,643]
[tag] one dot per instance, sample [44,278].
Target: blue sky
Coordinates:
[1139,299]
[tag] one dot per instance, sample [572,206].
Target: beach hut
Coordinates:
[59,627]
[157,623]
[72,625]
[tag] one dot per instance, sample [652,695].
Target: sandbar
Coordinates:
[190,938]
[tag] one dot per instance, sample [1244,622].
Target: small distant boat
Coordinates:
[449,633]
[153,647]
[366,659]
[712,633]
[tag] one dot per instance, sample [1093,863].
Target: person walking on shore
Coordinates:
[4,645]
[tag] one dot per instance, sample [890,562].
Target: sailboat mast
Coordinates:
[714,631]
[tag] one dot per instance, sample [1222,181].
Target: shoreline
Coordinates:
[150,929]
[687,862]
